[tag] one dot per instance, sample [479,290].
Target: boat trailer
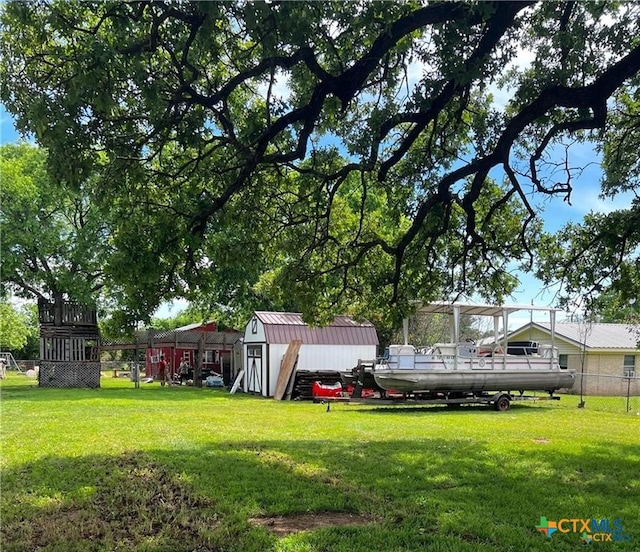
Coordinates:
[501,401]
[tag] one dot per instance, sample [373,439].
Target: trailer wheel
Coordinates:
[502,403]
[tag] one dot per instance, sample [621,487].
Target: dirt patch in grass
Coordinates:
[135,503]
[295,523]
[541,441]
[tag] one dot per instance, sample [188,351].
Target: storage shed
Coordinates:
[336,347]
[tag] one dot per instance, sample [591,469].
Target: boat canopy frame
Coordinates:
[499,313]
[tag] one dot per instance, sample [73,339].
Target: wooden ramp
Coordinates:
[287,369]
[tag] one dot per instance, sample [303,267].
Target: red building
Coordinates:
[186,342]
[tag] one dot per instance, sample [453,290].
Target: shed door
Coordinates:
[254,375]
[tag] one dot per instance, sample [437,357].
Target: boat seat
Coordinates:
[445,348]
[490,351]
[467,350]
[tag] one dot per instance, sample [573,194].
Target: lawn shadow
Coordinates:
[420,492]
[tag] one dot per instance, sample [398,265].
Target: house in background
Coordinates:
[336,347]
[606,356]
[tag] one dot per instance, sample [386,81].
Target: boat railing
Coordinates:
[522,348]
[408,357]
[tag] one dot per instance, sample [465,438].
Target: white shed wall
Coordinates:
[319,357]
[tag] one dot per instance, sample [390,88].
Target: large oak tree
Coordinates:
[338,152]
[53,240]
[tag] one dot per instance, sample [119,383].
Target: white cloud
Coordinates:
[280,88]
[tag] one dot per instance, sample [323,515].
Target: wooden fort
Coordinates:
[69,345]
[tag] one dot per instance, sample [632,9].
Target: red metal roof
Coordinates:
[283,327]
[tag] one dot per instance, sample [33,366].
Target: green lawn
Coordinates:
[153,469]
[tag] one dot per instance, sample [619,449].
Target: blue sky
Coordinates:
[8,132]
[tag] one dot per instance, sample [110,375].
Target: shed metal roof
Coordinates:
[283,327]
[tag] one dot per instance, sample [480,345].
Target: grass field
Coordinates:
[182,469]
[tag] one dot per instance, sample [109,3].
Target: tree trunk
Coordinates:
[197,370]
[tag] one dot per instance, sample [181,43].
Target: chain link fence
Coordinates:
[606,390]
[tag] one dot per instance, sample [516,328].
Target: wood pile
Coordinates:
[304,381]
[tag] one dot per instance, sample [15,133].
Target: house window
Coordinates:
[563,361]
[629,366]
[254,325]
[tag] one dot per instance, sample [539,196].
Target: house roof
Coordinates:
[594,336]
[283,327]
